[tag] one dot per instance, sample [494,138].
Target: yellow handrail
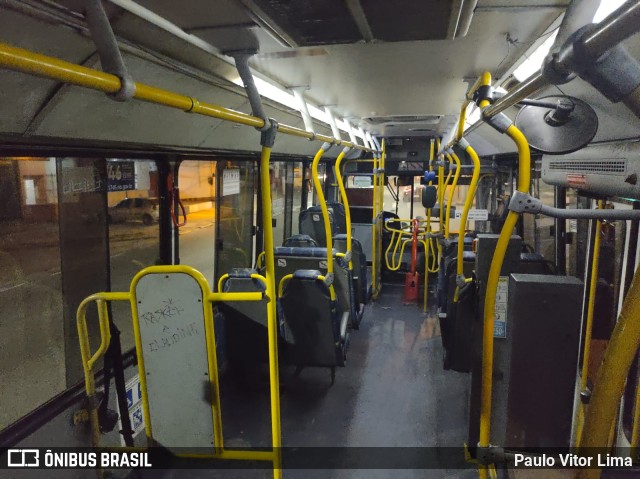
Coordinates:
[591,304]
[325,212]
[345,200]
[25,61]
[524,180]
[612,374]
[453,158]
[471,193]
[89,360]
[272,318]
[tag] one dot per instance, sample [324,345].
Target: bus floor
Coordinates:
[392,399]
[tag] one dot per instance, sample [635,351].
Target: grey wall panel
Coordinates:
[22,95]
[81,113]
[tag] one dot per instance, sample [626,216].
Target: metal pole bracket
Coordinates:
[524,203]
[268,135]
[108,50]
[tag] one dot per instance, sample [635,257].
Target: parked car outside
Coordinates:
[134,209]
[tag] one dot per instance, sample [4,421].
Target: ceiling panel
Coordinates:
[406,20]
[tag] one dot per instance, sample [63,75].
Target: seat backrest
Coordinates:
[240,281]
[339,217]
[300,241]
[245,322]
[314,330]
[289,260]
[311,223]
[359,263]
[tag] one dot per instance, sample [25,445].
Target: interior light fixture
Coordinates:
[605,8]
[534,61]
[287,99]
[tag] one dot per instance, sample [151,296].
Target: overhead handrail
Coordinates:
[325,214]
[25,61]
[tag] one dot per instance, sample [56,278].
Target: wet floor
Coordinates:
[393,393]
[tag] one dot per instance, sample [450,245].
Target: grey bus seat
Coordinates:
[359,273]
[311,223]
[300,241]
[288,260]
[245,322]
[316,330]
[339,217]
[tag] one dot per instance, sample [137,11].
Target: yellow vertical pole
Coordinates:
[467,206]
[374,227]
[427,240]
[325,211]
[453,158]
[524,180]
[345,200]
[612,374]
[591,304]
[272,327]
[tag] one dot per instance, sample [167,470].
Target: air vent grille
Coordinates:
[380,120]
[602,166]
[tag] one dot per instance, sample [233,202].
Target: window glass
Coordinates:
[197,181]
[133,230]
[31,326]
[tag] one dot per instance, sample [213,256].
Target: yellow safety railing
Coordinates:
[325,213]
[25,61]
[90,359]
[591,305]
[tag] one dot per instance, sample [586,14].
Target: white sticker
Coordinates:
[478,215]
[315,217]
[474,215]
[230,182]
[500,311]
[134,404]
[322,264]
[282,262]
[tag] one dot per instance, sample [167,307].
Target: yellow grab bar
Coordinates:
[471,193]
[524,180]
[325,212]
[18,59]
[345,200]
[453,158]
[595,263]
[89,360]
[272,318]
[612,375]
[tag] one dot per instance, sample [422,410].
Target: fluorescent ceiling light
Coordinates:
[533,63]
[287,99]
[605,8]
